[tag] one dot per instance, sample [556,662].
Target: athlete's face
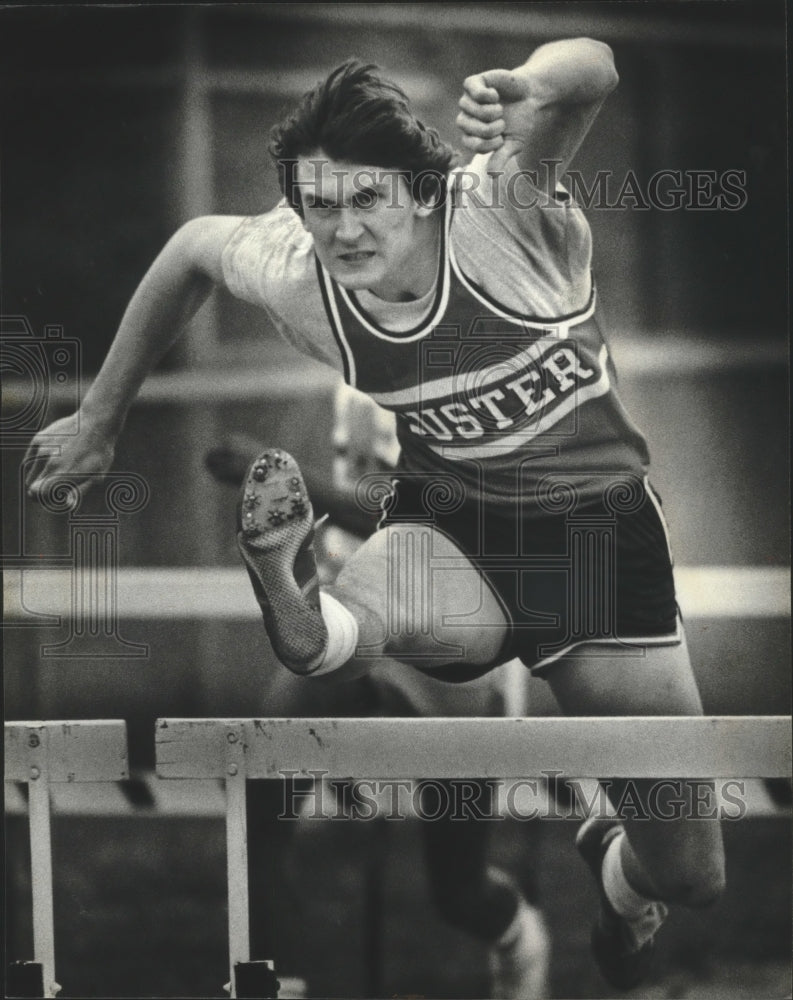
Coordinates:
[367,229]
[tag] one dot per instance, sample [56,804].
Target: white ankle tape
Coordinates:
[342,634]
[644,916]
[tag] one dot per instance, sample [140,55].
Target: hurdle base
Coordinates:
[255,979]
[25,979]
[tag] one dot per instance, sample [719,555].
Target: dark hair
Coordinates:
[355,116]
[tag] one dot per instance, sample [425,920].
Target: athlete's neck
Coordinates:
[419,272]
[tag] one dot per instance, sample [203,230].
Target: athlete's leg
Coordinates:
[485,901]
[469,892]
[408,593]
[419,600]
[466,892]
[672,859]
[649,858]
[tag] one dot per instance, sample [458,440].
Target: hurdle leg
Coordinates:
[237,867]
[41,754]
[247,978]
[41,867]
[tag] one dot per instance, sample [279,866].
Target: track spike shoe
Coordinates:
[275,536]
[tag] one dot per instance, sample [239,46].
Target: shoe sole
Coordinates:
[275,538]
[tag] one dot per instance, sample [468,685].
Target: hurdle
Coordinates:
[236,750]
[40,754]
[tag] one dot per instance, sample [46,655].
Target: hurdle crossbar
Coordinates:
[631,747]
[224,593]
[40,753]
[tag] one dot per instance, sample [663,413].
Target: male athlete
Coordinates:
[520,521]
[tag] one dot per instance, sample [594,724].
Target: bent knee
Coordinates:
[705,892]
[697,888]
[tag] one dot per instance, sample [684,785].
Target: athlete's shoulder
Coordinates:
[268,256]
[531,252]
[269,261]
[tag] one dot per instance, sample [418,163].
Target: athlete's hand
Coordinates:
[70,446]
[496,114]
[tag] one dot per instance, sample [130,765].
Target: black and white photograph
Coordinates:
[396,500]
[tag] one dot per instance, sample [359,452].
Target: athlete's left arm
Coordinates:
[540,111]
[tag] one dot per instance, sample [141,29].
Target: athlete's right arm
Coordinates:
[171,292]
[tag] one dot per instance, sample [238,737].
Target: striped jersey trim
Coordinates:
[559,324]
[542,423]
[336,325]
[433,317]
[441,388]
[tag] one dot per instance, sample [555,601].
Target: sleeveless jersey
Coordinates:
[510,404]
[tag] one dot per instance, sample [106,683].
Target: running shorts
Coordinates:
[577,570]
